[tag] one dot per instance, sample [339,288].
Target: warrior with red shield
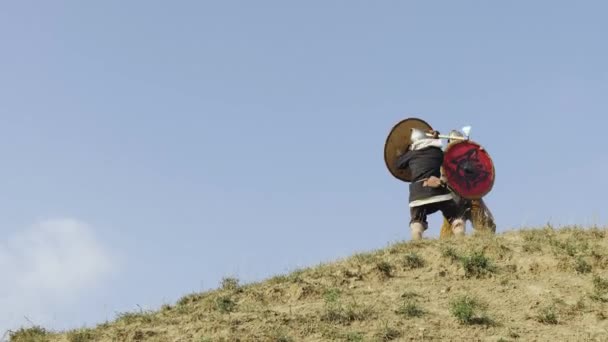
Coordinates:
[475,210]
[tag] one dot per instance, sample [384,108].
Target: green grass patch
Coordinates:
[336,311]
[385,269]
[477,265]
[600,289]
[230,283]
[410,309]
[225,304]
[547,315]
[413,260]
[581,266]
[469,310]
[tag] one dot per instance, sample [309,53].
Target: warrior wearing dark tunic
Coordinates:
[475,211]
[428,193]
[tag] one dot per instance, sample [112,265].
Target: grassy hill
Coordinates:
[529,285]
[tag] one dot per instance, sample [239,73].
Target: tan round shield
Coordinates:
[398,142]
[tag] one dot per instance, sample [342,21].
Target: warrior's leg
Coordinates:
[417,229]
[482,218]
[463,212]
[454,214]
[418,223]
[458,227]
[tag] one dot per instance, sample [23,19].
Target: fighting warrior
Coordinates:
[474,211]
[428,192]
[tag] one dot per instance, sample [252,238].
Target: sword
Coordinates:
[466,130]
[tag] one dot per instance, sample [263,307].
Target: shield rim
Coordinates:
[388,137]
[489,157]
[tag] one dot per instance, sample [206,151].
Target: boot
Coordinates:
[417,229]
[446,230]
[458,227]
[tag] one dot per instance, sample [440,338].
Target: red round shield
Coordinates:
[468,169]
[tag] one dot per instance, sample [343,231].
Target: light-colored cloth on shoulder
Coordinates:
[424,143]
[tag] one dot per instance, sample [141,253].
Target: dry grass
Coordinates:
[536,284]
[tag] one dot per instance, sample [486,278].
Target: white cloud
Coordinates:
[46,267]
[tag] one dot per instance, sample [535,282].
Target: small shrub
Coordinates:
[410,309]
[468,310]
[385,269]
[356,312]
[513,334]
[413,260]
[581,266]
[225,304]
[477,265]
[229,283]
[450,253]
[332,296]
[387,333]
[333,306]
[600,289]
[570,248]
[547,315]
[600,284]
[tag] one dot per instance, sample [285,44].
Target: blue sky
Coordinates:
[150,148]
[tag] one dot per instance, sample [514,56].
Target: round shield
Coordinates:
[398,142]
[468,169]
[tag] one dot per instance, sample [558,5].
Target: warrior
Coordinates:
[474,211]
[428,192]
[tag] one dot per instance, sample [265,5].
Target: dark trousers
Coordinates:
[450,210]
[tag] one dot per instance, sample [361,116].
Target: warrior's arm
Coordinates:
[404,160]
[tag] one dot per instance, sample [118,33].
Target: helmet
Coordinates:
[455,133]
[417,135]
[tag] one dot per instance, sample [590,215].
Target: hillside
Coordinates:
[541,284]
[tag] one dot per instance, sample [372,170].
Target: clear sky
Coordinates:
[150,148]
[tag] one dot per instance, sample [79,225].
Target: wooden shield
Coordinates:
[468,169]
[398,142]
